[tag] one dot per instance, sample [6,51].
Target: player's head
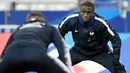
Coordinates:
[35,15]
[86,10]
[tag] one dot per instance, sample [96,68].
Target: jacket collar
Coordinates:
[37,20]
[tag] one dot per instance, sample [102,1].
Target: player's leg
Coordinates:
[77,56]
[119,68]
[50,64]
[105,60]
[108,61]
[8,61]
[7,67]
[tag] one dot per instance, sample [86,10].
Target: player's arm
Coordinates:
[63,51]
[64,27]
[9,41]
[111,35]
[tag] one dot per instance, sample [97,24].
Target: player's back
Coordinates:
[37,32]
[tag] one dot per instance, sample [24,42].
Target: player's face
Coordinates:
[86,12]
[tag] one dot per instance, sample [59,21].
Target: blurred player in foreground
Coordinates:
[91,34]
[26,49]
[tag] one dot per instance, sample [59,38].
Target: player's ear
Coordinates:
[93,13]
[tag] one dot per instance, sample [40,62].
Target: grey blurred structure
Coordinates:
[58,5]
[38,4]
[55,4]
[124,6]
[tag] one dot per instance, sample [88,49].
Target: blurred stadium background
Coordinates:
[117,12]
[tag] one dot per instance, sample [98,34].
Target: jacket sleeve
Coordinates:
[9,41]
[110,34]
[63,51]
[64,27]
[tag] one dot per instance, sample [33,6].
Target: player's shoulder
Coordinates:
[100,20]
[53,27]
[71,16]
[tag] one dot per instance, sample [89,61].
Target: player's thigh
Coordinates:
[77,56]
[53,65]
[9,68]
[106,60]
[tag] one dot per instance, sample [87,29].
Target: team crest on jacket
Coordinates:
[91,33]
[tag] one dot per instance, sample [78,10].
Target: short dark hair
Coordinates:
[87,3]
[35,14]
